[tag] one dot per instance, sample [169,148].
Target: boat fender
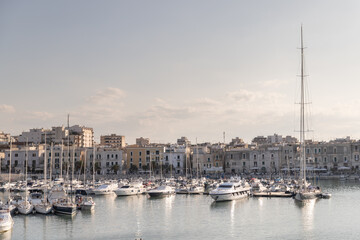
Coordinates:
[33,211]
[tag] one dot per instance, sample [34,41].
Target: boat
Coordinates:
[130,189]
[25,207]
[105,189]
[85,202]
[304,193]
[42,205]
[196,189]
[65,207]
[6,221]
[161,191]
[228,191]
[182,189]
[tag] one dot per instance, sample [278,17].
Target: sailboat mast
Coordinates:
[10,162]
[93,165]
[302,114]
[51,160]
[85,168]
[45,162]
[61,158]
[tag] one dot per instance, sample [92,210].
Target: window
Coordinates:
[34,154]
[272,156]
[244,164]
[178,164]
[16,155]
[231,156]
[139,153]
[244,155]
[255,164]
[107,164]
[335,159]
[345,159]
[147,152]
[263,163]
[166,158]
[263,156]
[131,153]
[139,159]
[139,165]
[157,152]
[217,164]
[335,150]
[208,159]
[116,156]
[131,159]
[254,156]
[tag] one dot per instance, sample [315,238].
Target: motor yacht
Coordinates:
[161,191]
[130,189]
[230,191]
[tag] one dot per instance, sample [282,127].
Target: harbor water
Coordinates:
[198,217]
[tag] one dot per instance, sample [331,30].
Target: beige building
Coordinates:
[142,141]
[113,140]
[141,157]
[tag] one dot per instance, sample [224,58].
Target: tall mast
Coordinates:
[45,162]
[10,162]
[85,168]
[197,160]
[302,114]
[51,160]
[93,165]
[61,158]
[186,171]
[68,152]
[26,166]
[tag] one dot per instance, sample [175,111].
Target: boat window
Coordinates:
[225,186]
[125,186]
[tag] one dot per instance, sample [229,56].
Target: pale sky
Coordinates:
[166,69]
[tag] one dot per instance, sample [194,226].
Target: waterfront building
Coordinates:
[112,140]
[140,157]
[175,157]
[183,141]
[107,160]
[79,135]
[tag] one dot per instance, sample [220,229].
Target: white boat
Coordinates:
[85,203]
[6,221]
[65,207]
[161,191]
[35,198]
[130,189]
[43,207]
[230,191]
[56,193]
[105,189]
[25,207]
[182,189]
[196,189]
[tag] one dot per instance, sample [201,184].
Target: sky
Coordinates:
[165,69]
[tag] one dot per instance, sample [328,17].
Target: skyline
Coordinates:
[163,70]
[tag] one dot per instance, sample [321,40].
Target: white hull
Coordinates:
[229,196]
[305,196]
[96,192]
[6,222]
[25,208]
[43,208]
[87,207]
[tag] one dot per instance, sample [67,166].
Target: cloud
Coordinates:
[6,108]
[108,96]
[43,116]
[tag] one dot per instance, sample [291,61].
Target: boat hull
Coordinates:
[221,197]
[65,210]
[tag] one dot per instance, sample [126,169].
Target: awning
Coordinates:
[254,168]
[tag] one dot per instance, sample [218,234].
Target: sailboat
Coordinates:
[66,205]
[8,206]
[25,207]
[304,193]
[44,207]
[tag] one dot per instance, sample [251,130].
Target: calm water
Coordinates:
[198,217]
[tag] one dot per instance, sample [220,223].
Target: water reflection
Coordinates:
[307,211]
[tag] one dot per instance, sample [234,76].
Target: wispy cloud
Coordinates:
[108,96]
[7,108]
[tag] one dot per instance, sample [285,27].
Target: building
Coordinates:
[140,157]
[79,135]
[113,140]
[107,160]
[176,158]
